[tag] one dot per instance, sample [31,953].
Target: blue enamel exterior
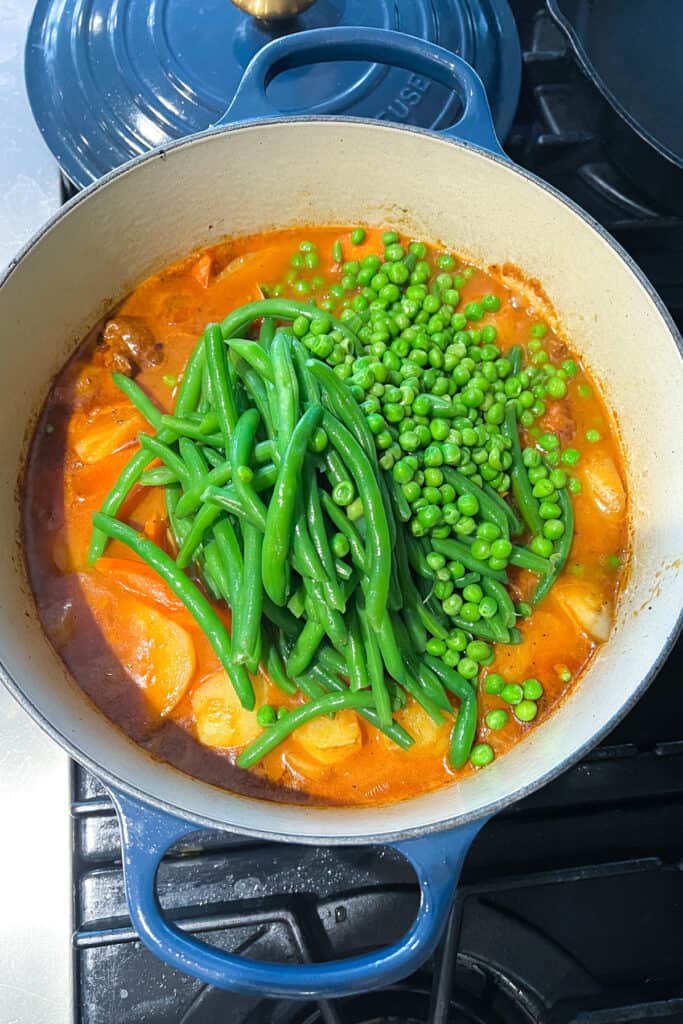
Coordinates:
[147,832]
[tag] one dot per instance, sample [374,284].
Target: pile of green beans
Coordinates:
[355,490]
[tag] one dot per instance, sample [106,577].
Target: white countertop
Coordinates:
[35,856]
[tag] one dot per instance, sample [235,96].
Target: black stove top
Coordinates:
[571,903]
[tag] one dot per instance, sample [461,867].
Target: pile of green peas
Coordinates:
[434,383]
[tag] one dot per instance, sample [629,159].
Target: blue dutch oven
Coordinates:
[252,171]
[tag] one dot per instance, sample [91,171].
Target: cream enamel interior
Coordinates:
[247,179]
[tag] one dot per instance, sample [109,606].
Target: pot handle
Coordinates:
[147,833]
[383,46]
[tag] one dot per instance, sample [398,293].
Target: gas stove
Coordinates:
[571,903]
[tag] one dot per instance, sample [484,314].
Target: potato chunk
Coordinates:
[220,719]
[331,740]
[587,606]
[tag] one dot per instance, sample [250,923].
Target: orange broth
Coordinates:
[135,650]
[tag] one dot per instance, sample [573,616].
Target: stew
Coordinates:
[326,514]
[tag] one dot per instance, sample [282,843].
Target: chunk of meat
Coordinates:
[558,420]
[128,345]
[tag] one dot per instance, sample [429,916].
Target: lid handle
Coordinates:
[381,46]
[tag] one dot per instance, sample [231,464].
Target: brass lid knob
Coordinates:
[274,10]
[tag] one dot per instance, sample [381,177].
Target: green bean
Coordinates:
[378,544]
[487,629]
[344,406]
[169,458]
[275,734]
[280,617]
[274,666]
[193,599]
[213,457]
[220,475]
[159,476]
[526,559]
[490,510]
[253,354]
[221,390]
[430,621]
[337,472]
[305,647]
[318,608]
[188,394]
[391,655]
[231,556]
[281,309]
[331,660]
[506,608]
[242,476]
[255,388]
[247,627]
[193,459]
[456,551]
[308,383]
[134,393]
[286,387]
[521,487]
[398,500]
[345,526]
[179,528]
[318,534]
[465,728]
[306,559]
[448,677]
[413,687]
[432,687]
[515,357]
[202,523]
[184,427]
[311,687]
[279,518]
[205,403]
[267,332]
[216,569]
[356,669]
[559,557]
[209,423]
[388,508]
[516,526]
[375,668]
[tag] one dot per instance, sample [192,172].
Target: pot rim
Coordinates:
[383,838]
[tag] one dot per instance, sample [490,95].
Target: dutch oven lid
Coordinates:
[110,79]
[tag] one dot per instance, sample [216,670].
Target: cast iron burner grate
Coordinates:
[571,907]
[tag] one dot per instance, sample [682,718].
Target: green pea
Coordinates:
[481,549]
[456,570]
[512,693]
[488,607]
[494,683]
[343,493]
[541,546]
[411,491]
[452,605]
[592,436]
[389,238]
[481,755]
[429,516]
[558,478]
[532,688]
[266,715]
[488,532]
[491,303]
[550,442]
[553,529]
[557,387]
[570,456]
[473,593]
[470,612]
[358,236]
[467,505]
[574,485]
[468,668]
[478,650]
[549,510]
[436,647]
[497,719]
[501,548]
[526,710]
[538,330]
